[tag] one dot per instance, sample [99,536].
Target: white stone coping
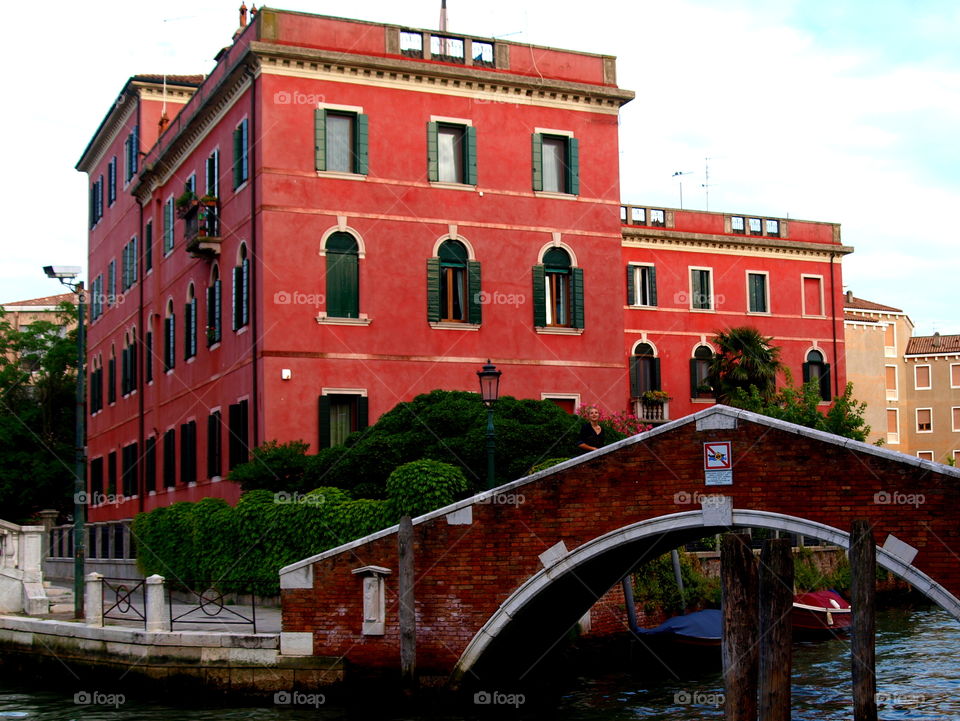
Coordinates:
[122,634]
[849,443]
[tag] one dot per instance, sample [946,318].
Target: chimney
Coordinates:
[443,16]
[849,296]
[164,122]
[936,339]
[243,14]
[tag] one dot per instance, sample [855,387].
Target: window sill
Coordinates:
[557,330]
[452,186]
[453,325]
[323,319]
[340,174]
[758,312]
[214,346]
[703,310]
[641,307]
[553,194]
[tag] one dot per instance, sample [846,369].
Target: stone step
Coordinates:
[58,592]
[61,608]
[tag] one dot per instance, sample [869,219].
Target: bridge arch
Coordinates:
[598,560]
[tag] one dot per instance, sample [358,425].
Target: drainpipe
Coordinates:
[141,450]
[833,324]
[254,307]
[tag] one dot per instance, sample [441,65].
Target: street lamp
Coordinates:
[489,392]
[67,274]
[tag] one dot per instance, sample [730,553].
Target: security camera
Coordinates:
[62,271]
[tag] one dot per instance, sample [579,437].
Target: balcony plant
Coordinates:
[656,397]
[185,202]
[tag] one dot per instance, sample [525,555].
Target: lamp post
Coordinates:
[489,391]
[65,274]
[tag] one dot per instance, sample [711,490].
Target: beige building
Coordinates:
[22,313]
[911,385]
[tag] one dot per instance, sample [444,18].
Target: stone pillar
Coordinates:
[48,519]
[156,609]
[93,599]
[31,550]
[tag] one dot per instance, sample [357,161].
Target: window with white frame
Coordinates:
[925,455]
[701,288]
[893,426]
[921,377]
[891,382]
[642,285]
[757,292]
[812,298]
[924,420]
[556,162]
[955,375]
[955,416]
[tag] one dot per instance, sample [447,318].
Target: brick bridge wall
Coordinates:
[464,572]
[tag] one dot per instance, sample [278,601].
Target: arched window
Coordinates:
[128,363]
[112,376]
[190,324]
[453,285]
[343,276]
[644,370]
[241,289]
[96,384]
[700,372]
[557,291]
[214,330]
[169,338]
[816,369]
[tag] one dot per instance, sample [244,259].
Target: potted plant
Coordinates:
[185,202]
[657,397]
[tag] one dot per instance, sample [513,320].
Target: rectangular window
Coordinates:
[168,225]
[340,415]
[112,282]
[638,216]
[812,295]
[341,139]
[214,330]
[483,54]
[955,375]
[130,454]
[150,464]
[737,224]
[112,380]
[921,377]
[112,181]
[112,473]
[755,226]
[890,340]
[891,382]
[701,290]
[925,455]
[893,426]
[924,420]
[241,294]
[772,227]
[148,247]
[169,342]
[190,329]
[188,452]
[955,415]
[447,49]
[148,357]
[642,285]
[451,153]
[96,476]
[170,458]
[214,435]
[132,149]
[241,157]
[556,163]
[757,293]
[658,218]
[212,174]
[238,420]
[411,44]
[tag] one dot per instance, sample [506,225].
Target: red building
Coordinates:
[344,214]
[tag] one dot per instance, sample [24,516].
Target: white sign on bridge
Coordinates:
[718,463]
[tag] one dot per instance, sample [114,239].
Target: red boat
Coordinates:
[820,613]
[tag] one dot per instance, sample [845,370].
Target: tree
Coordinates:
[38,367]
[801,406]
[744,358]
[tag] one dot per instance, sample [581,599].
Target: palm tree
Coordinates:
[744,358]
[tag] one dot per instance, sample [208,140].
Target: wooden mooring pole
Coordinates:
[408,617]
[776,629]
[863,587]
[738,584]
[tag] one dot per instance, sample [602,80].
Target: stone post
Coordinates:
[31,545]
[93,599]
[156,610]
[48,519]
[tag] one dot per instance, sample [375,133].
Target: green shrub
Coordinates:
[421,486]
[274,466]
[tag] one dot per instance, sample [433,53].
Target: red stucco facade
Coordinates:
[267,377]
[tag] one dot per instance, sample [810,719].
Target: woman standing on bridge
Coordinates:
[591,432]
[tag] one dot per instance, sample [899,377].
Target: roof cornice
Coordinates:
[647,236]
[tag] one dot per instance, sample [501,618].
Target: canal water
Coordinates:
[918,670]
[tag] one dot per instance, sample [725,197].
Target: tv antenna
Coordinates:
[706,179]
[679,175]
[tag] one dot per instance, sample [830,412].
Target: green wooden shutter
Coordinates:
[235,297]
[537,161]
[634,377]
[576,293]
[363,142]
[433,290]
[320,139]
[186,330]
[653,285]
[694,383]
[237,159]
[825,383]
[471,159]
[655,375]
[433,155]
[245,289]
[806,372]
[217,319]
[363,413]
[573,166]
[631,289]
[475,307]
[324,422]
[539,297]
[342,285]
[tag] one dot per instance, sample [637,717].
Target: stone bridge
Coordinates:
[502,577]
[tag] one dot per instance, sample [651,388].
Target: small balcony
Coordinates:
[652,412]
[201,218]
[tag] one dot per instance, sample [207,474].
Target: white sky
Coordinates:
[843,112]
